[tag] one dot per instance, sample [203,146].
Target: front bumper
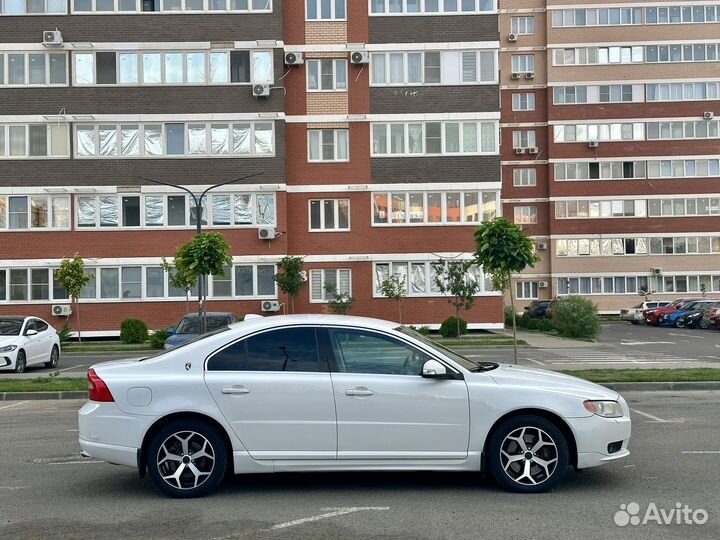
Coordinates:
[594,433]
[7,360]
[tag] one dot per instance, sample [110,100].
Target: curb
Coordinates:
[663,386]
[22,396]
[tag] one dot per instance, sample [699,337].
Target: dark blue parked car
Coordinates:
[671,318]
[189,327]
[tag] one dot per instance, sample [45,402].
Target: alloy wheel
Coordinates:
[529,456]
[186,460]
[20,362]
[54,357]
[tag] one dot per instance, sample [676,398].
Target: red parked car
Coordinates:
[652,316]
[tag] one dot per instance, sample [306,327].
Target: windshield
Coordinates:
[191,325]
[455,357]
[10,327]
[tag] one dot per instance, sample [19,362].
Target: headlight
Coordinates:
[8,348]
[606,409]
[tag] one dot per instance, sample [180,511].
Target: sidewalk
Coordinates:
[539,340]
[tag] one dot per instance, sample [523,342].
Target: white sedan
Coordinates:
[26,341]
[331,393]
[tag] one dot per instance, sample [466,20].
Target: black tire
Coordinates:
[54,358]
[20,362]
[633,322]
[213,467]
[511,474]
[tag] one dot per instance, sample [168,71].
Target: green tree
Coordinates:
[179,281]
[340,303]
[453,279]
[290,278]
[71,275]
[502,250]
[395,288]
[206,254]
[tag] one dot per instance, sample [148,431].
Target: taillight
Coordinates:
[97,389]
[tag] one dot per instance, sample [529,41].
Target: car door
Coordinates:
[386,409]
[274,389]
[44,340]
[33,343]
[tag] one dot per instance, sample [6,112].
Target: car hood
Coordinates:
[177,339]
[540,379]
[10,340]
[676,314]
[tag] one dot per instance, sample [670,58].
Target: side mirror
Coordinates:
[171,330]
[31,332]
[432,369]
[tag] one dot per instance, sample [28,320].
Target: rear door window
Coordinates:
[40,326]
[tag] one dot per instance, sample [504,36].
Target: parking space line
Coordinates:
[538,362]
[701,451]
[656,418]
[13,405]
[68,368]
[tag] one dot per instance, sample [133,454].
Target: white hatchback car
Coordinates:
[330,393]
[25,341]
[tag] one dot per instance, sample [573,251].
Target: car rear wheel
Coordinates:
[20,362]
[54,358]
[528,454]
[187,458]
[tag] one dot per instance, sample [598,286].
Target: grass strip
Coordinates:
[647,375]
[44,384]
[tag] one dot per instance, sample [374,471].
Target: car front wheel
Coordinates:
[187,458]
[54,358]
[528,454]
[20,362]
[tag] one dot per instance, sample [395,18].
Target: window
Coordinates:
[33,7]
[584,209]
[601,247]
[215,67]
[325,10]
[329,214]
[683,168]
[523,102]
[524,177]
[523,63]
[33,141]
[524,139]
[702,129]
[430,67]
[599,170]
[81,7]
[564,133]
[286,349]
[420,277]
[699,52]
[34,212]
[613,93]
[254,280]
[222,283]
[703,206]
[425,138]
[328,145]
[430,7]
[327,284]
[526,290]
[598,55]
[691,91]
[327,75]
[597,17]
[416,208]
[525,214]
[33,69]
[522,25]
[128,141]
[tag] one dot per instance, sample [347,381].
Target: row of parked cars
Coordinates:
[681,313]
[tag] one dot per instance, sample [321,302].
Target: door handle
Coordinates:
[359,391]
[235,390]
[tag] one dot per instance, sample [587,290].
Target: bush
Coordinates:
[576,317]
[508,316]
[64,335]
[424,330]
[157,338]
[448,328]
[545,325]
[133,331]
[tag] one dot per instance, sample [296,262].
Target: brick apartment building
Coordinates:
[378,143]
[610,145]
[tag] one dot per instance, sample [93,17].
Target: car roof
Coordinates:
[260,323]
[210,314]
[16,317]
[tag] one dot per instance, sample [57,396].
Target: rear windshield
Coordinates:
[188,342]
[191,325]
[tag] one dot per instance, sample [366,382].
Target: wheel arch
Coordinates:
[185,415]
[550,416]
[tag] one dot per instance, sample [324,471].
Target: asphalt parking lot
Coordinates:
[47,491]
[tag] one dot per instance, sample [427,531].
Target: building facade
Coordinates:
[374,125]
[610,116]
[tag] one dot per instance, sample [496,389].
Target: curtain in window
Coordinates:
[60,212]
[316,284]
[263,138]
[221,209]
[243,210]
[130,136]
[107,136]
[85,141]
[382,272]
[414,61]
[154,210]
[487,137]
[153,140]
[417,278]
[86,211]
[197,139]
[265,209]
[415,138]
[109,215]
[262,67]
[241,138]
[378,68]
[220,138]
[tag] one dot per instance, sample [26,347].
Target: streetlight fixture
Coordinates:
[198,229]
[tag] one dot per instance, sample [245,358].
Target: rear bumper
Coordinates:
[118,455]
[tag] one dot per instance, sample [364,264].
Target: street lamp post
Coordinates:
[198,230]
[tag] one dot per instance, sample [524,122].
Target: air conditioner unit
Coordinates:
[657,271]
[52,38]
[512,37]
[519,151]
[530,75]
[294,59]
[266,233]
[62,310]
[261,90]
[270,305]
[593,144]
[541,246]
[542,284]
[708,115]
[303,275]
[533,150]
[360,57]
[514,76]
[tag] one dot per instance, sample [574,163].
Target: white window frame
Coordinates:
[443,138]
[682,91]
[525,215]
[598,207]
[336,210]
[138,9]
[5,69]
[522,25]
[444,221]
[431,290]
[526,290]
[525,138]
[611,132]
[525,63]
[318,7]
[25,12]
[336,134]
[50,200]
[441,9]
[445,79]
[523,101]
[5,135]
[525,177]
[325,297]
[335,62]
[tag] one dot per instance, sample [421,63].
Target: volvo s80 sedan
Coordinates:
[331,393]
